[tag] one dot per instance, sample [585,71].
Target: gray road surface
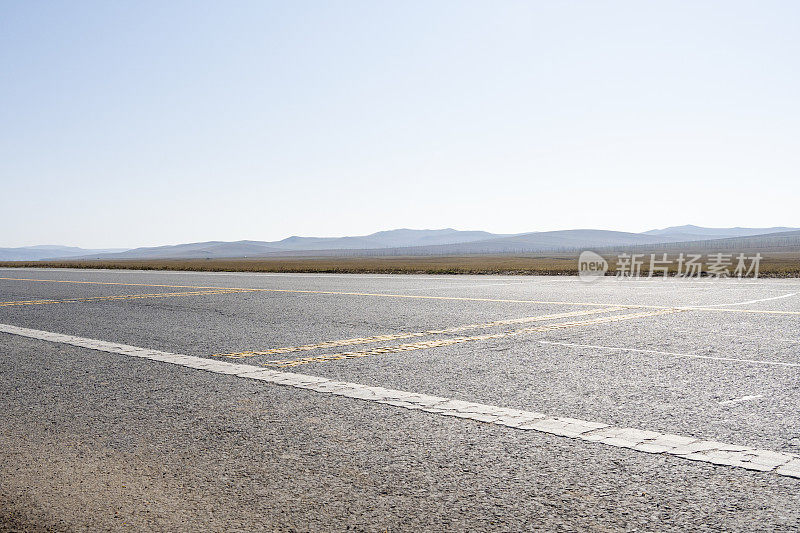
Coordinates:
[97,441]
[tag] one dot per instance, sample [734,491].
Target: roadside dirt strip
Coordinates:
[685,447]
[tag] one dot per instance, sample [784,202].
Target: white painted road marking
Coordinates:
[671,354]
[755,301]
[718,453]
[742,399]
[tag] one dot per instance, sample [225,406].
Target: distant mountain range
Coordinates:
[428,242]
[46,251]
[693,233]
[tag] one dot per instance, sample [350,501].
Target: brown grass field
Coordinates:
[773,264]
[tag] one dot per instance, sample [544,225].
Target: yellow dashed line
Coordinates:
[119,297]
[421,297]
[437,343]
[398,336]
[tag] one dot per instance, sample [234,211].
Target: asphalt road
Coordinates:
[93,440]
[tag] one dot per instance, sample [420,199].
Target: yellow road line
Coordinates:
[116,297]
[437,343]
[424,297]
[409,335]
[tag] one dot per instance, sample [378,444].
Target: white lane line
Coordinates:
[742,399]
[753,301]
[718,453]
[442,287]
[752,337]
[671,354]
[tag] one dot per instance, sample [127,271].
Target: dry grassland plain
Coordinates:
[773,264]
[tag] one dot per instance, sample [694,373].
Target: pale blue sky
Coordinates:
[145,123]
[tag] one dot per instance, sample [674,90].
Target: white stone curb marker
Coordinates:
[718,453]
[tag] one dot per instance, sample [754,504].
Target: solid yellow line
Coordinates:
[116,283]
[437,343]
[423,297]
[409,335]
[115,297]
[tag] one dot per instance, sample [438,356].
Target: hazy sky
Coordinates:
[145,123]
